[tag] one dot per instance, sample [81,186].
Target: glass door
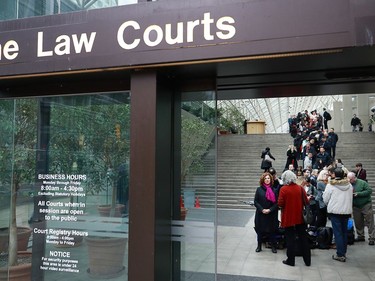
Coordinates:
[197,227]
[65,177]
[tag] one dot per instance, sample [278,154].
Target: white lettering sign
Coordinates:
[153,35]
[63,44]
[9,50]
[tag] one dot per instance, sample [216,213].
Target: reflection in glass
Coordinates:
[198,185]
[11,9]
[61,159]
[17,168]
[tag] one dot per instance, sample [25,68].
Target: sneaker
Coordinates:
[336,257]
[371,243]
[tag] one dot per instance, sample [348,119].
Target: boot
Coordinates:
[274,250]
[259,248]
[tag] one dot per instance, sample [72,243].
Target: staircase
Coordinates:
[238,165]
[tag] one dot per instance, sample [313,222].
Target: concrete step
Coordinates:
[238,165]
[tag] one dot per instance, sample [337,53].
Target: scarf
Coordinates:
[269,193]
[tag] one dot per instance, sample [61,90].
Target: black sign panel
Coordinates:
[169,32]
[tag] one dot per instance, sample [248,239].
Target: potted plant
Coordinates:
[230,120]
[105,154]
[196,137]
[98,148]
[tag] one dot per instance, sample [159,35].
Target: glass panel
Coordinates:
[17,166]
[198,185]
[11,9]
[70,168]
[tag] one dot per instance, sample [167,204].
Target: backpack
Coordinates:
[350,232]
[328,116]
[324,237]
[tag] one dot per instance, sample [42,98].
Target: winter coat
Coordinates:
[333,138]
[363,192]
[311,190]
[291,159]
[265,223]
[361,174]
[266,164]
[355,121]
[290,202]
[338,196]
[321,186]
[322,159]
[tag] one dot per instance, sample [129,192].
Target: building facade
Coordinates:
[96,106]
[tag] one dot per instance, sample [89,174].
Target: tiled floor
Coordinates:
[236,255]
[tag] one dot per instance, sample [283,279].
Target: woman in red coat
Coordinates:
[291,202]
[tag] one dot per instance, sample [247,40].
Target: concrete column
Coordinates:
[363,109]
[337,117]
[347,113]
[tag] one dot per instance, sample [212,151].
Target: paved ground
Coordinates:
[237,259]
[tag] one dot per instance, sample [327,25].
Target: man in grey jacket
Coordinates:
[338,196]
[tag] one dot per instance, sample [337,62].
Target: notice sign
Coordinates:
[62,203]
[59,261]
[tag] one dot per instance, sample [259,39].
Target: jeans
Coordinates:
[340,231]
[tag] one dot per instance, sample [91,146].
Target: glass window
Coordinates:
[65,170]
[11,9]
[197,228]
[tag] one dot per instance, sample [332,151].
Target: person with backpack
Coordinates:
[327,116]
[267,159]
[338,196]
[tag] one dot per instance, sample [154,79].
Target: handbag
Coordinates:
[307,213]
[267,158]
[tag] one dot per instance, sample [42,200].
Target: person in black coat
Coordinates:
[291,154]
[355,122]
[266,164]
[266,215]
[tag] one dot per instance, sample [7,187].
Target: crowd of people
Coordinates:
[311,135]
[326,185]
[305,122]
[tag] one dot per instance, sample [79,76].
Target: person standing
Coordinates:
[291,159]
[266,159]
[326,117]
[360,172]
[322,159]
[291,200]
[355,122]
[322,180]
[276,181]
[266,215]
[338,196]
[333,138]
[245,126]
[363,213]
